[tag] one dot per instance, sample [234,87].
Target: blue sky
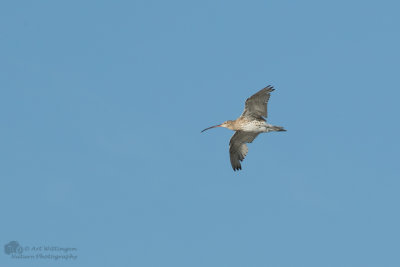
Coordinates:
[103,102]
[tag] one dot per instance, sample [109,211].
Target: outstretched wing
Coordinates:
[256,105]
[238,148]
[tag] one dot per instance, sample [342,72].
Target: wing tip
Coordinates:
[237,168]
[270,88]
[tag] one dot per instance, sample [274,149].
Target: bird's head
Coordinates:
[225,124]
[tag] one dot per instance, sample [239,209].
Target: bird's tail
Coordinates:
[278,129]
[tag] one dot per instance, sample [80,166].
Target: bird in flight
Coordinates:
[249,125]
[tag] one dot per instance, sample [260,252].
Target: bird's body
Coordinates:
[251,125]
[248,126]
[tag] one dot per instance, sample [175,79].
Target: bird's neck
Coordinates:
[235,125]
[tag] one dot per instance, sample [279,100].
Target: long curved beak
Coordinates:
[219,125]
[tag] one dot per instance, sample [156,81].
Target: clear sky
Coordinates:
[102,104]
